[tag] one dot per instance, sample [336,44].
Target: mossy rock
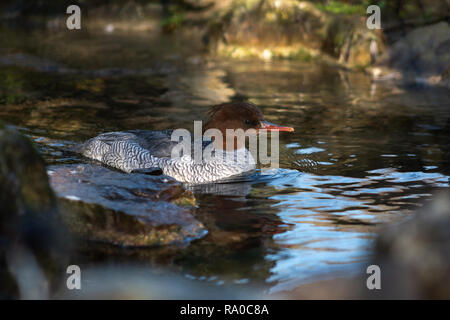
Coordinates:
[24,186]
[29,223]
[294,30]
[134,210]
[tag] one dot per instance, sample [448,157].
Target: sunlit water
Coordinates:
[363,155]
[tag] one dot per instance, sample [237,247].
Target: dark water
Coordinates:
[363,155]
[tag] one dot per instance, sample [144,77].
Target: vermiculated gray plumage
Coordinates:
[140,149]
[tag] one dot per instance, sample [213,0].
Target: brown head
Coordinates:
[239,115]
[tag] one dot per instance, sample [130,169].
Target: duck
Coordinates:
[143,151]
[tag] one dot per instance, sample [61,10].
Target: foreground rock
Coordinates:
[124,209]
[32,243]
[415,255]
[94,203]
[23,179]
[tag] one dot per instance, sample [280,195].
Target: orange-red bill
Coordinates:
[273,127]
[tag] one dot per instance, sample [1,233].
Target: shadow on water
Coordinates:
[362,155]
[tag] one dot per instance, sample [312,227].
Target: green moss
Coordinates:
[173,22]
[96,86]
[19,84]
[301,55]
[338,7]
[12,87]
[288,53]
[185,201]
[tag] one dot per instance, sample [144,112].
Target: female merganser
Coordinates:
[137,150]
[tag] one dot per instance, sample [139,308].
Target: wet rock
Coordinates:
[414,256]
[31,236]
[23,179]
[422,56]
[100,204]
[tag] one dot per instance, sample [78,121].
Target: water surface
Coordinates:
[363,155]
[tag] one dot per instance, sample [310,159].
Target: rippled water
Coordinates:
[362,155]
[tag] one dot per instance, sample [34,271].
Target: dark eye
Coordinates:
[247,121]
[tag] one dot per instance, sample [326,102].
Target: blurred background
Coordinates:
[365,172]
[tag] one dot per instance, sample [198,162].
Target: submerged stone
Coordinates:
[105,205]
